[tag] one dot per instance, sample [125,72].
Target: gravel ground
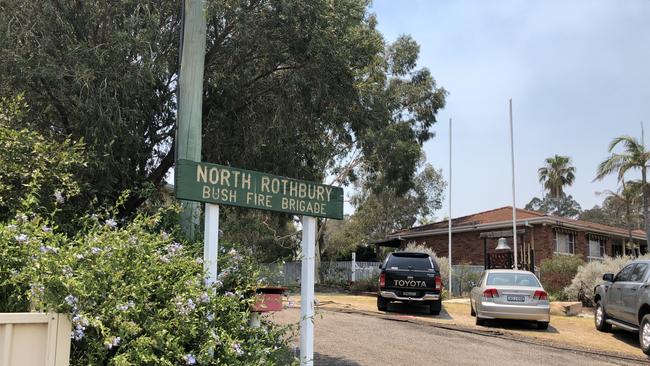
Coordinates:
[355,339]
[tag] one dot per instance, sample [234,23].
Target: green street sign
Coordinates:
[226,185]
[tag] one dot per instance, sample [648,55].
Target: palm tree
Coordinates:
[556,174]
[633,157]
[627,198]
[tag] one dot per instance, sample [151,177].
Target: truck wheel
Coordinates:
[382,304]
[600,319]
[542,325]
[435,307]
[644,334]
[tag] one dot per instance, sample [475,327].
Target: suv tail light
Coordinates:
[540,295]
[382,280]
[438,283]
[491,293]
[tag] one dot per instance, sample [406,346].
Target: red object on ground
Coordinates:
[268,299]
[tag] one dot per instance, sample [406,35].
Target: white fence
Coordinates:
[288,273]
[340,273]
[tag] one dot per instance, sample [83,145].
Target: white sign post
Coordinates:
[211,242]
[354,267]
[307,291]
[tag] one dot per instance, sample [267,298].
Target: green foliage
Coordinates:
[557,272]
[378,213]
[366,285]
[135,295]
[623,208]
[563,206]
[37,172]
[299,85]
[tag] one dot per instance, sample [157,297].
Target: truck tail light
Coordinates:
[382,280]
[438,283]
[491,293]
[540,295]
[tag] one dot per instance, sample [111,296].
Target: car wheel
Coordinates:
[435,307]
[542,325]
[600,319]
[479,320]
[382,304]
[644,334]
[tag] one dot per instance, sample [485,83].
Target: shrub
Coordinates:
[368,284]
[136,296]
[557,272]
[590,275]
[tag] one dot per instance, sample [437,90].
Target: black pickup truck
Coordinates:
[411,278]
[624,301]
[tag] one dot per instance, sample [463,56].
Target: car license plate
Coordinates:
[409,293]
[517,298]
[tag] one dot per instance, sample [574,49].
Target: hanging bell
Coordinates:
[503,244]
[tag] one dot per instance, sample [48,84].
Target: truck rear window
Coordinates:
[414,263]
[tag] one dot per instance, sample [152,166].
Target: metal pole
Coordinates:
[514,204]
[450,267]
[307,291]
[211,242]
[190,99]
[354,267]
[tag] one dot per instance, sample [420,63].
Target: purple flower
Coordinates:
[114,343]
[205,297]
[21,238]
[111,223]
[210,317]
[58,196]
[47,229]
[79,256]
[48,249]
[230,294]
[199,260]
[71,300]
[189,359]
[237,348]
[77,334]
[174,247]
[95,250]
[122,307]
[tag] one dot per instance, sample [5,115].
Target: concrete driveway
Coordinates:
[357,339]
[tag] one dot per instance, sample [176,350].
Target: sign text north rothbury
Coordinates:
[225,185]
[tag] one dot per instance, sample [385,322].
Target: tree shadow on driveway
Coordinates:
[398,308]
[321,359]
[631,338]
[518,325]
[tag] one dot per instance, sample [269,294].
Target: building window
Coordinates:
[565,243]
[596,249]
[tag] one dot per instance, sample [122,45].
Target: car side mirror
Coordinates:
[381,266]
[609,277]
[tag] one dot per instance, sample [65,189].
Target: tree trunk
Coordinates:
[646,217]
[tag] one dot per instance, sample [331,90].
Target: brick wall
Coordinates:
[468,246]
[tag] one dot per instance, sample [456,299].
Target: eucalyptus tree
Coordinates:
[633,157]
[625,200]
[557,173]
[291,87]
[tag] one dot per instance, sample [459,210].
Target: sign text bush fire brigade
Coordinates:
[224,185]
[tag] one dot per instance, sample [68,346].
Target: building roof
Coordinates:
[502,217]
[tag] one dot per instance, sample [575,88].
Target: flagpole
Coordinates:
[514,204]
[450,267]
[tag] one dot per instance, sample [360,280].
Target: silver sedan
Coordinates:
[510,294]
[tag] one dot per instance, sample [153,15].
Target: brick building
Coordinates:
[539,237]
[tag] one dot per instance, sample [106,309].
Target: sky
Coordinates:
[578,73]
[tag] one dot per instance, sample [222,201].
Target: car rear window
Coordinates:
[414,263]
[512,279]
